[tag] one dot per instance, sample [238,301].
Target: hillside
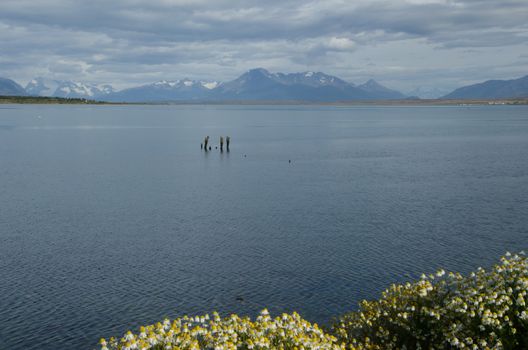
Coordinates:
[492,89]
[9,87]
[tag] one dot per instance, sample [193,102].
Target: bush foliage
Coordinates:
[485,310]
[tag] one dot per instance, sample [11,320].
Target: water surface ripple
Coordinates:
[112,217]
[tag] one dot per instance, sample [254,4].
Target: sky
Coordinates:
[404,44]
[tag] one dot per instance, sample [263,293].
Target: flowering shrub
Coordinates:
[233,332]
[485,310]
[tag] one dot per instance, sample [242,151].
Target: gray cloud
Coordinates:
[404,43]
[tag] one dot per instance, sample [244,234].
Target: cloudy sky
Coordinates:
[403,44]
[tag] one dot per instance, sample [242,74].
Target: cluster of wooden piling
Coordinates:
[206,147]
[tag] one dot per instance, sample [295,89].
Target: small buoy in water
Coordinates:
[209,148]
[244,155]
[289,161]
[216,147]
[239,298]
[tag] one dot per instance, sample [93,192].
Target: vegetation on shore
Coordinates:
[45,100]
[402,102]
[484,310]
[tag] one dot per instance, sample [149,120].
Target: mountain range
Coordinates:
[257,85]
[178,90]
[67,89]
[491,89]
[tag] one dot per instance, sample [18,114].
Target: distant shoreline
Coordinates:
[403,102]
[45,100]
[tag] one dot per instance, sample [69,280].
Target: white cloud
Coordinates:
[341,44]
[406,43]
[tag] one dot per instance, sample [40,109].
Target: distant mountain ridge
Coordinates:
[67,89]
[257,84]
[492,89]
[381,91]
[9,87]
[164,90]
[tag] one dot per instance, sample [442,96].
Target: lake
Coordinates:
[112,217]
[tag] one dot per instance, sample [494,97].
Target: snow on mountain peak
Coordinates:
[69,89]
[187,83]
[105,88]
[167,83]
[77,89]
[209,84]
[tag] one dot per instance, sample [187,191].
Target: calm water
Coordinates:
[111,217]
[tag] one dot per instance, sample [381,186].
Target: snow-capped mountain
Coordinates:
[315,79]
[72,89]
[259,84]
[176,90]
[186,83]
[256,79]
[68,89]
[42,87]
[255,84]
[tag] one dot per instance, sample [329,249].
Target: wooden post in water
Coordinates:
[206,141]
[228,139]
[221,143]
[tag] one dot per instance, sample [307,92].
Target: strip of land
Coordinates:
[402,102]
[45,100]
